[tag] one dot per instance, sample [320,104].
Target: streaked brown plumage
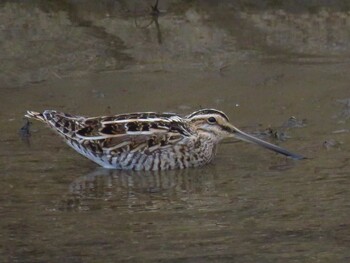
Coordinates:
[148,140]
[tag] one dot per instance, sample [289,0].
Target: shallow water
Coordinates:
[260,64]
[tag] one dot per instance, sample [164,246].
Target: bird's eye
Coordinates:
[211,120]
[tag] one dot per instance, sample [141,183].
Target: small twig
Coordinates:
[155,12]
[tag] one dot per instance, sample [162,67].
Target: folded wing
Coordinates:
[143,132]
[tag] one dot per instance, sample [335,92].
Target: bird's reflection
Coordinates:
[137,190]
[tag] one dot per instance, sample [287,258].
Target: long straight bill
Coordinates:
[251,139]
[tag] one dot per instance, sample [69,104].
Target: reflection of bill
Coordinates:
[148,190]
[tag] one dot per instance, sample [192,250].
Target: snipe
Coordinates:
[149,140]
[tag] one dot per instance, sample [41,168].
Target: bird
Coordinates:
[149,141]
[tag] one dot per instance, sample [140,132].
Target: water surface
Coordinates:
[260,64]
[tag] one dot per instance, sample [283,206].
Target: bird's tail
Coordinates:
[35,115]
[63,123]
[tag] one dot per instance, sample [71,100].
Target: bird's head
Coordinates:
[216,124]
[213,122]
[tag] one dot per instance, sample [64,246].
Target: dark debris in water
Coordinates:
[280,133]
[331,143]
[275,134]
[293,122]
